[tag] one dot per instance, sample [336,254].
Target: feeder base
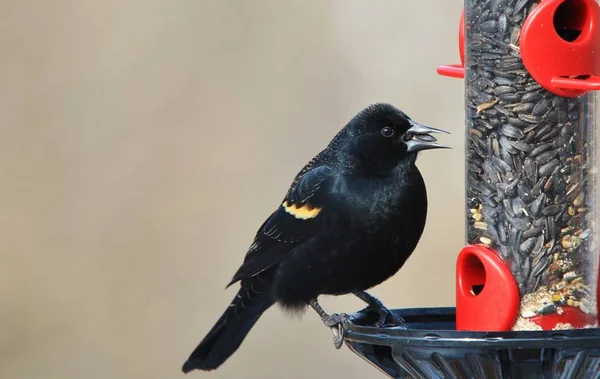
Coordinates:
[433,348]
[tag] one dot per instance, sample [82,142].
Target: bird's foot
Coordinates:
[334,319]
[387,318]
[333,322]
[375,305]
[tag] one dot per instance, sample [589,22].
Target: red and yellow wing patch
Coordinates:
[303,212]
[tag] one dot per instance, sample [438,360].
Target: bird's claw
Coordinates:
[387,315]
[335,323]
[338,335]
[376,306]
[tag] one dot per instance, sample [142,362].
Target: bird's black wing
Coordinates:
[294,221]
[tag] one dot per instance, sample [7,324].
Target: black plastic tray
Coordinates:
[433,348]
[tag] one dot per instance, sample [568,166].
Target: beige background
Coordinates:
[144,141]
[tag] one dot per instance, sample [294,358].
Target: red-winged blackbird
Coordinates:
[350,219]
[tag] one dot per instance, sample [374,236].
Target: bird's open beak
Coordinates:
[418,138]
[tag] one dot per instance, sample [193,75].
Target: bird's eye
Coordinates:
[387,131]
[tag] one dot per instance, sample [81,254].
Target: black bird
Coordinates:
[349,221]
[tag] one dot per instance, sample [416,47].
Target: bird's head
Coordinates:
[382,136]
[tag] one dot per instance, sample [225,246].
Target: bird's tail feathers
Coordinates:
[230,330]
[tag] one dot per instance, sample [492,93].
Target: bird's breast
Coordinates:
[378,201]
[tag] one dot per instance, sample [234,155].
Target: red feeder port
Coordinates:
[457,70]
[487,296]
[560,46]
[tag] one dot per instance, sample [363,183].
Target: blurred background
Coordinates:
[144,142]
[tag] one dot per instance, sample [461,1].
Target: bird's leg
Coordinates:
[333,321]
[376,305]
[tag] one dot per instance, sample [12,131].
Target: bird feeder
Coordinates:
[527,281]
